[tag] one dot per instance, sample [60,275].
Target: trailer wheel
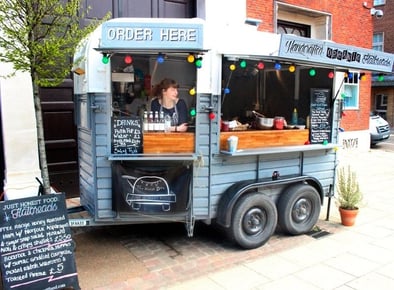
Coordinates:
[254,220]
[298,209]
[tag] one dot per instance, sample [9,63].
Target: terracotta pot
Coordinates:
[348,216]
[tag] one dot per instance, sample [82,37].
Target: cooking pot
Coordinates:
[262,122]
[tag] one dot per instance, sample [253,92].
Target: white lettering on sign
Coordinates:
[187,35]
[147,34]
[126,33]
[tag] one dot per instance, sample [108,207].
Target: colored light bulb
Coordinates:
[226,91]
[198,63]
[192,91]
[292,68]
[160,58]
[331,75]
[211,116]
[190,58]
[105,59]
[128,59]
[242,64]
[312,72]
[232,67]
[260,65]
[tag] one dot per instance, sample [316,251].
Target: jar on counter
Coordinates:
[279,123]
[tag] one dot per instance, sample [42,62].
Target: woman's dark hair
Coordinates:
[164,85]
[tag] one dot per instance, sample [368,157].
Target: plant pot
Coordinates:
[348,216]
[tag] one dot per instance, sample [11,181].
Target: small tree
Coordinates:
[40,37]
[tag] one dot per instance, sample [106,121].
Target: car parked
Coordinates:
[379,129]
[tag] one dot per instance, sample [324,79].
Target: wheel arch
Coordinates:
[231,195]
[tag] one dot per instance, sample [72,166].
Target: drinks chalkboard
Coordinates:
[320,118]
[126,135]
[37,251]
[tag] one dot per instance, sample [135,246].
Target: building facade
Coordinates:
[337,21]
[382,97]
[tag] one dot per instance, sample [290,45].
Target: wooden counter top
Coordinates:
[158,142]
[265,138]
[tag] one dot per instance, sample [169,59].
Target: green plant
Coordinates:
[348,189]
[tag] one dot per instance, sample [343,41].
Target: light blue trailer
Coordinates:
[248,192]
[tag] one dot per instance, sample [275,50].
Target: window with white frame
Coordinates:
[351,91]
[378,41]
[379,2]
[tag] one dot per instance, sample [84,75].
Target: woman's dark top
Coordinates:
[178,113]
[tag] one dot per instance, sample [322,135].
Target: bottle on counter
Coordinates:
[161,121]
[294,117]
[167,123]
[145,121]
[150,121]
[156,122]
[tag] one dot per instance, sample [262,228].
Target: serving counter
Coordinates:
[265,138]
[158,142]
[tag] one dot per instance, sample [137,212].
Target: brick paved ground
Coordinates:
[161,255]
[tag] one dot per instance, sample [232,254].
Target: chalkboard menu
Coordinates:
[37,251]
[126,135]
[320,117]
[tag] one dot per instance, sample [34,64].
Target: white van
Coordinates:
[379,129]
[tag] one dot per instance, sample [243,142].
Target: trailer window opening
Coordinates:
[262,86]
[351,90]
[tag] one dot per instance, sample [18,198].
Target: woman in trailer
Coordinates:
[167,101]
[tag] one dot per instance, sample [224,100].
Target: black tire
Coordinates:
[299,209]
[254,220]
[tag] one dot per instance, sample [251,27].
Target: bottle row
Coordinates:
[156,122]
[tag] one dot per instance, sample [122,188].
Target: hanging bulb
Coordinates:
[381,78]
[312,72]
[278,66]
[192,91]
[128,59]
[105,58]
[292,68]
[198,63]
[242,64]
[211,116]
[363,77]
[331,75]
[226,91]
[232,66]
[260,65]
[160,58]
[190,58]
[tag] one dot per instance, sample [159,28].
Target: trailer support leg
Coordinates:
[190,220]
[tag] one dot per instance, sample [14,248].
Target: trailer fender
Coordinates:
[232,194]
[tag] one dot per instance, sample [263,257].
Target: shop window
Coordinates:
[351,91]
[378,41]
[302,22]
[286,27]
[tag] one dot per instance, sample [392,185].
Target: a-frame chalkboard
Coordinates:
[37,251]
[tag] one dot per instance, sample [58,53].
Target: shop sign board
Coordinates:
[334,54]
